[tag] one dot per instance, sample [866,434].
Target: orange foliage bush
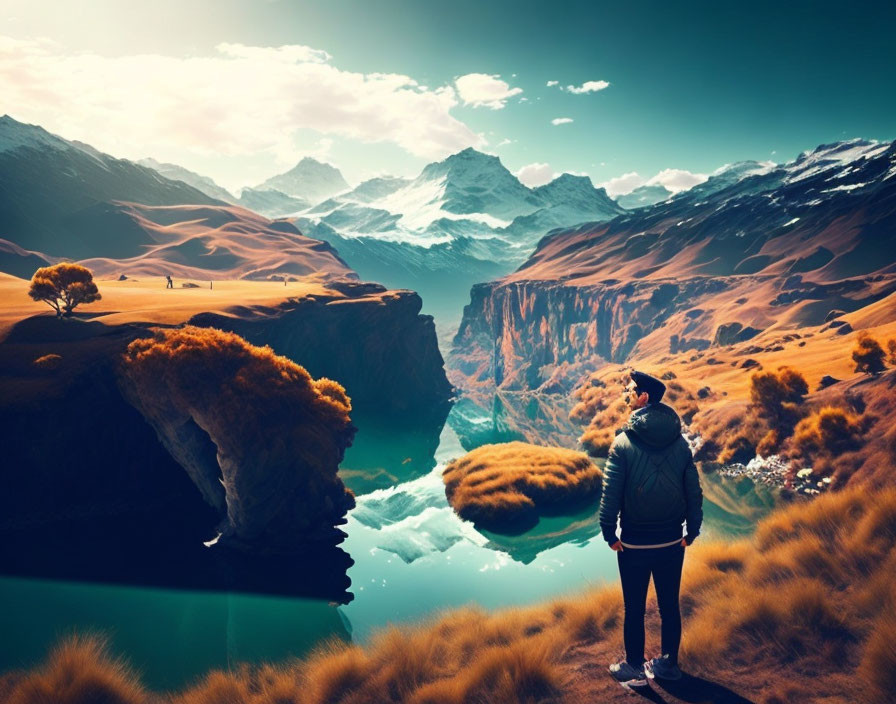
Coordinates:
[868,354]
[279,434]
[776,395]
[63,286]
[79,671]
[739,432]
[506,487]
[825,435]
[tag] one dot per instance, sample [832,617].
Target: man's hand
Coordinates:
[684,542]
[617,546]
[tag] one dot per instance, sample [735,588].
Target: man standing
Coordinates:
[651,481]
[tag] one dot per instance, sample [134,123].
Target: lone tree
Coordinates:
[868,355]
[63,286]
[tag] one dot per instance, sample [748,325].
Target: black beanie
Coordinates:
[653,386]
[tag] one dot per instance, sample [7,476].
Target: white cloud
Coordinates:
[504,142]
[674,180]
[588,87]
[677,179]
[552,83]
[483,90]
[623,184]
[536,174]
[237,101]
[561,120]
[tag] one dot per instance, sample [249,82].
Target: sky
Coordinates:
[625,92]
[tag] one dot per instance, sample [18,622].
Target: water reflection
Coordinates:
[551,531]
[171,636]
[127,553]
[384,453]
[541,419]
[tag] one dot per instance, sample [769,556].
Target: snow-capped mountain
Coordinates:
[309,180]
[271,203]
[365,192]
[643,196]
[191,178]
[459,220]
[826,215]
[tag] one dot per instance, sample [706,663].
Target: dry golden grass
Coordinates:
[78,671]
[148,301]
[194,363]
[506,487]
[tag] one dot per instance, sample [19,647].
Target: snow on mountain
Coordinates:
[270,203]
[309,180]
[832,156]
[473,182]
[191,178]
[461,220]
[18,135]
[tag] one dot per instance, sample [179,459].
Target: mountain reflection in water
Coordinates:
[407,556]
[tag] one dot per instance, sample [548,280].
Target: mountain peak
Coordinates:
[15,135]
[310,180]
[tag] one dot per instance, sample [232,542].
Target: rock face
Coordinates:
[756,246]
[97,489]
[374,342]
[258,436]
[530,335]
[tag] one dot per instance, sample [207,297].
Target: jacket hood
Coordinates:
[656,425]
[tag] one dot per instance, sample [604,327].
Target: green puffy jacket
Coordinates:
[651,481]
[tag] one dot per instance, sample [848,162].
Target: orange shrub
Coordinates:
[826,434]
[279,435]
[868,354]
[79,671]
[506,487]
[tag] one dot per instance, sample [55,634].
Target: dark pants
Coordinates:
[635,569]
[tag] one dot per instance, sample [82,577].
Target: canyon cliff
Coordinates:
[771,249]
[116,480]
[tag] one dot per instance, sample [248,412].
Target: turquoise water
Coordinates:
[413,557]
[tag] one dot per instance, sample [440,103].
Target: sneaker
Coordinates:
[663,668]
[628,676]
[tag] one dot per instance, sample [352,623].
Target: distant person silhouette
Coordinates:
[170,283]
[651,481]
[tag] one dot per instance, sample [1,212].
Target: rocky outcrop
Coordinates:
[526,335]
[373,341]
[258,436]
[97,487]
